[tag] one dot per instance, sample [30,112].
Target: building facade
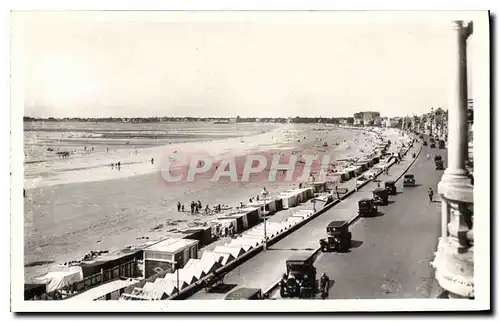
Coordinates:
[367,118]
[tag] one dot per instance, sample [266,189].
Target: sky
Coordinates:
[138,65]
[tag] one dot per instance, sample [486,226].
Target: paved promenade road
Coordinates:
[393,251]
[265,268]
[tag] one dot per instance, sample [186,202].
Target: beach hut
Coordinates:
[253,217]
[56,280]
[343,176]
[318,187]
[208,265]
[308,193]
[363,165]
[244,243]
[260,233]
[155,292]
[293,220]
[115,264]
[192,268]
[270,205]
[223,226]
[161,256]
[234,251]
[289,199]
[287,224]
[210,255]
[276,226]
[225,258]
[202,235]
[271,231]
[240,219]
[350,172]
[248,239]
[278,203]
[172,279]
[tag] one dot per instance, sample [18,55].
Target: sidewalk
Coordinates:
[265,268]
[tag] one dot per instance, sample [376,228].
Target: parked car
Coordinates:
[409,180]
[380,197]
[338,237]
[438,161]
[366,208]
[300,278]
[390,187]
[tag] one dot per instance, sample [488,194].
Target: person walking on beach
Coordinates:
[152,161]
[118,165]
[178,206]
[431,194]
[112,165]
[192,207]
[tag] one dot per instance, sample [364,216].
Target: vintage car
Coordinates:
[245,293]
[438,161]
[300,278]
[425,143]
[409,180]
[366,208]
[390,187]
[433,145]
[432,139]
[439,165]
[442,144]
[380,197]
[338,237]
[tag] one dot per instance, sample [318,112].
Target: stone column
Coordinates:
[454,261]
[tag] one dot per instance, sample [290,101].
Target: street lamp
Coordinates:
[264,193]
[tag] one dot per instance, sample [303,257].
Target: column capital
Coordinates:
[469,29]
[457,24]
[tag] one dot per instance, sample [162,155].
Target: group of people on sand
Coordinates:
[196,208]
[116,165]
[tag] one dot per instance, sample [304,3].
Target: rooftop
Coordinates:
[102,290]
[171,245]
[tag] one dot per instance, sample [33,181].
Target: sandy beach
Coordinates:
[85,205]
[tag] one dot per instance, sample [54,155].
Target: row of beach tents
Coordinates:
[197,269]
